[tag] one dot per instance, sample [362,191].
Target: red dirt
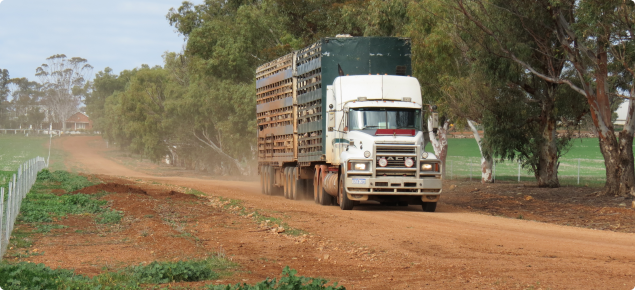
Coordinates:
[371,247]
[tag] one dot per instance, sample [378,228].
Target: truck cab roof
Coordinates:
[377,88]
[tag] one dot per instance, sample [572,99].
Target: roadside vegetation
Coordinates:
[54,198]
[152,276]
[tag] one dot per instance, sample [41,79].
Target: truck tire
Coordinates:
[325,198]
[286,182]
[345,203]
[266,182]
[273,189]
[429,206]
[298,184]
[317,187]
[262,179]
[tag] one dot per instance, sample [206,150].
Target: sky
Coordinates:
[116,33]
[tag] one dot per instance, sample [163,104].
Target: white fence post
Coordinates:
[518,171]
[494,170]
[578,171]
[2,243]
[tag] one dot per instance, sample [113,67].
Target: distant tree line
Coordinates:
[58,95]
[523,75]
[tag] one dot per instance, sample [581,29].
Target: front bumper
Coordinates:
[360,187]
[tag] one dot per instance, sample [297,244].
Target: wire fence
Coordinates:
[11,198]
[571,171]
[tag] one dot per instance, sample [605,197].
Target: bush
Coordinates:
[288,281]
[67,181]
[32,276]
[181,271]
[43,207]
[110,217]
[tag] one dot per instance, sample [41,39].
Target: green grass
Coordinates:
[236,206]
[40,208]
[464,160]
[16,149]
[288,281]
[37,276]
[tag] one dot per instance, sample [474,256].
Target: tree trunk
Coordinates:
[487,162]
[627,178]
[546,171]
[440,143]
[618,155]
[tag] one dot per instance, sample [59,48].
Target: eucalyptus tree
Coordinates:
[62,79]
[4,94]
[103,85]
[25,102]
[588,32]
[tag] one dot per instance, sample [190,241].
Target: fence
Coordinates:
[18,187]
[572,171]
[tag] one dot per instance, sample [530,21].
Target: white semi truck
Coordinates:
[343,122]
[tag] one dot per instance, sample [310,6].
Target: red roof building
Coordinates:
[79,121]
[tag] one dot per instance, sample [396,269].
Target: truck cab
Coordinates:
[376,137]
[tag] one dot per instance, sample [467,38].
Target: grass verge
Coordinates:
[236,206]
[26,275]
[38,276]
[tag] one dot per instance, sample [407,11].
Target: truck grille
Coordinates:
[395,150]
[396,154]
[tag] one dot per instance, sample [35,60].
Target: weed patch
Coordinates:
[288,280]
[110,217]
[165,272]
[25,275]
[65,180]
[236,206]
[44,207]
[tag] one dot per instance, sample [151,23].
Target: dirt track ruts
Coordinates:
[447,249]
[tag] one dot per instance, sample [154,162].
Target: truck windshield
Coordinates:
[384,118]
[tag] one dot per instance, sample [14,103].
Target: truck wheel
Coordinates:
[262,179]
[292,188]
[286,182]
[429,206]
[266,183]
[345,203]
[317,188]
[298,185]
[325,198]
[273,189]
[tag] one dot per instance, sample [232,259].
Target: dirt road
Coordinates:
[407,248]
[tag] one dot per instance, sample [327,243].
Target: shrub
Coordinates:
[32,276]
[288,281]
[181,271]
[67,181]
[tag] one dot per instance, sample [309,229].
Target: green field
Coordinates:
[464,159]
[16,149]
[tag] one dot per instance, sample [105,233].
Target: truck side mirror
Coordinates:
[434,119]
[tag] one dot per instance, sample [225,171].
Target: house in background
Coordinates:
[77,122]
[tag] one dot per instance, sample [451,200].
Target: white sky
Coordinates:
[116,33]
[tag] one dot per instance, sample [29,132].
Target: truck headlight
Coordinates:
[409,162]
[367,154]
[426,167]
[430,167]
[424,155]
[359,165]
[382,162]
